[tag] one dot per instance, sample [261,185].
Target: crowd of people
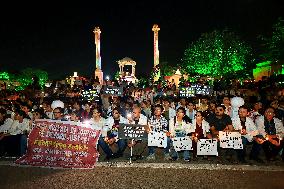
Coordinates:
[259,119]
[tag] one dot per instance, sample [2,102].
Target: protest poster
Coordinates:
[186,92]
[205,90]
[182,143]
[90,95]
[157,138]
[132,131]
[230,140]
[207,147]
[61,144]
[114,91]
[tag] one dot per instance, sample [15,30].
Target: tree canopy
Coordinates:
[219,53]
[274,45]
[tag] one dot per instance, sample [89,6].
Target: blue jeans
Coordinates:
[242,152]
[23,144]
[152,149]
[175,154]
[185,154]
[122,144]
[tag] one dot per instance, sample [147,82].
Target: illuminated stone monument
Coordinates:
[129,77]
[156,29]
[98,71]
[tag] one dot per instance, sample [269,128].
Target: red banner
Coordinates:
[61,144]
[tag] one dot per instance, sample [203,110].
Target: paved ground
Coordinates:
[143,175]
[119,173]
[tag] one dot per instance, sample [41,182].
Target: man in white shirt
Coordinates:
[245,125]
[271,132]
[112,137]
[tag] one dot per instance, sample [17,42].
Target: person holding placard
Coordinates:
[220,122]
[191,110]
[137,118]
[200,129]
[158,123]
[169,112]
[113,124]
[227,104]
[245,125]
[179,126]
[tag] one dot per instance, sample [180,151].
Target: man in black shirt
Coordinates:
[220,122]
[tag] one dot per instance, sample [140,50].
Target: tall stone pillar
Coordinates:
[98,71]
[156,29]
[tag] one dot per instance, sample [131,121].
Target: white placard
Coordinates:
[158,139]
[182,143]
[230,140]
[207,147]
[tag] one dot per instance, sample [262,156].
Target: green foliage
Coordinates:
[219,53]
[274,46]
[28,77]
[166,69]
[116,76]
[143,82]
[4,76]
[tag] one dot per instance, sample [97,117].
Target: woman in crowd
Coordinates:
[179,126]
[200,130]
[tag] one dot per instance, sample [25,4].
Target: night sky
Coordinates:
[57,37]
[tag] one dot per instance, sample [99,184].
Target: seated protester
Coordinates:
[145,109]
[271,132]
[46,105]
[169,112]
[182,103]
[112,135]
[191,110]
[199,129]
[158,122]
[220,122]
[58,114]
[15,140]
[87,113]
[77,108]
[203,106]
[179,126]
[98,122]
[37,114]
[211,109]
[72,116]
[137,118]
[245,125]
[26,108]
[257,111]
[227,105]
[279,113]
[5,122]
[127,109]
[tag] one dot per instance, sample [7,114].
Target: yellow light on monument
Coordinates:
[178,72]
